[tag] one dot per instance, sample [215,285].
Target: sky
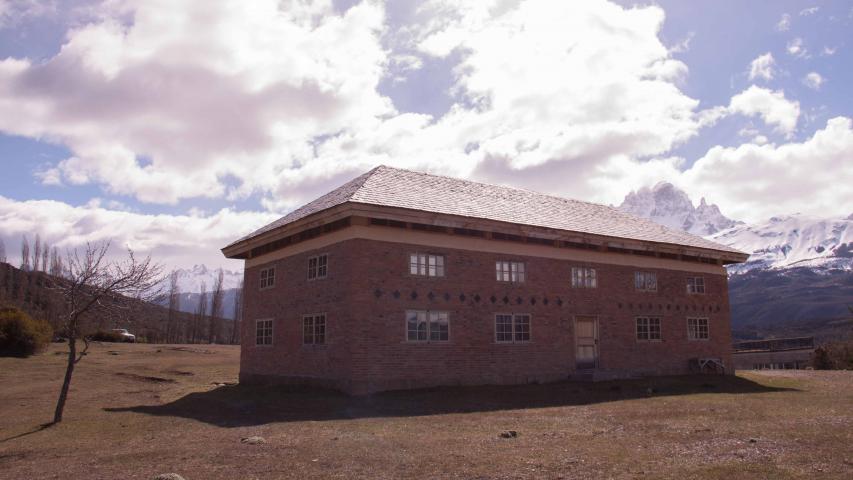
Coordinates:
[174,127]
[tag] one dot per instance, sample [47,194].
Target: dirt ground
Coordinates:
[136,411]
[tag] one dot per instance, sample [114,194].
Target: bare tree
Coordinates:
[90,279]
[25,253]
[174,305]
[36,253]
[55,263]
[216,308]
[2,251]
[45,255]
[238,314]
[200,313]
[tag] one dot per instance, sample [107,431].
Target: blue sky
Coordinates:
[176,126]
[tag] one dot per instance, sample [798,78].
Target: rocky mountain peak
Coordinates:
[670,206]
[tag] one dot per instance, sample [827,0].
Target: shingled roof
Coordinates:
[394,187]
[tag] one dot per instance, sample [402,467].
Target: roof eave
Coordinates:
[241,249]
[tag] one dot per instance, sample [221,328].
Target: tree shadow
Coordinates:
[43,426]
[238,405]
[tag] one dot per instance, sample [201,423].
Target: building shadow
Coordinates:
[238,406]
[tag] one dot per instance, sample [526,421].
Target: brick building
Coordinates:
[401,279]
[774,354]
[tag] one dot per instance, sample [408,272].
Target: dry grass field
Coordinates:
[139,410]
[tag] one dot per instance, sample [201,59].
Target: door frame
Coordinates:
[596,337]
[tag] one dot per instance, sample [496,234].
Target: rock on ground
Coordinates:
[253,440]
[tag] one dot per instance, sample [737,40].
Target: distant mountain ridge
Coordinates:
[191,279]
[668,205]
[792,241]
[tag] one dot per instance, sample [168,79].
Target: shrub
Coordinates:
[102,336]
[22,335]
[820,359]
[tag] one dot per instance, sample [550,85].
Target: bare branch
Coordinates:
[25,253]
[92,284]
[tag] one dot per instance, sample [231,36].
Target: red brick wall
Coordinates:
[369,289]
[293,296]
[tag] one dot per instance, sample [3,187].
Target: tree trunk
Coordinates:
[69,370]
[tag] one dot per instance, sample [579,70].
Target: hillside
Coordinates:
[35,293]
[792,302]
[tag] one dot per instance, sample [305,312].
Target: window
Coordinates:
[648,329]
[427,326]
[263,332]
[583,277]
[509,271]
[512,328]
[697,329]
[267,277]
[426,265]
[695,285]
[317,267]
[646,281]
[314,329]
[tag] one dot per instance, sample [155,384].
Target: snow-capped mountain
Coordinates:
[190,280]
[190,283]
[792,241]
[781,242]
[666,204]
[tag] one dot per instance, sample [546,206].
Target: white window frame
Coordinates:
[648,328]
[514,325]
[510,271]
[584,277]
[428,316]
[426,264]
[315,327]
[697,287]
[318,271]
[646,281]
[271,332]
[266,280]
[694,331]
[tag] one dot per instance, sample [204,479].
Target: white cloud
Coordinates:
[747,131]
[13,12]
[753,182]
[226,100]
[762,67]
[173,240]
[795,47]
[616,82]
[760,140]
[809,11]
[828,51]
[771,106]
[190,94]
[784,23]
[683,45]
[813,80]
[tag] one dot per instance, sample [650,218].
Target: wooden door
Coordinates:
[586,342]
